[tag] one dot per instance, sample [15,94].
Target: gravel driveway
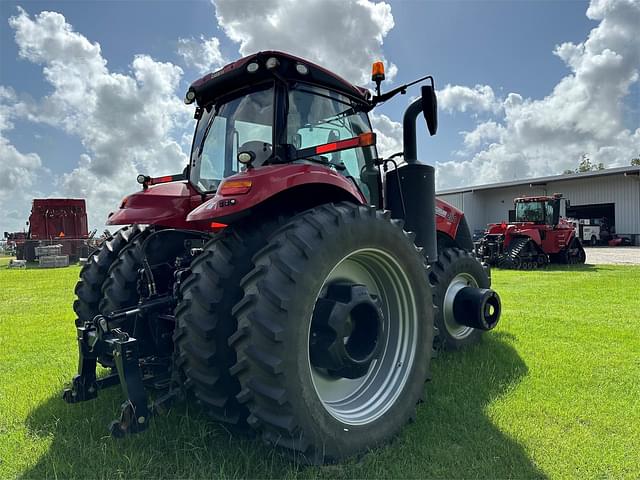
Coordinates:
[613,255]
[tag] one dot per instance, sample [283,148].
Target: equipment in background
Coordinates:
[537,237]
[595,231]
[53,221]
[286,279]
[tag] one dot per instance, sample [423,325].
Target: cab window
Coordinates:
[317,116]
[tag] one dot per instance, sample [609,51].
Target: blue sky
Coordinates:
[506,47]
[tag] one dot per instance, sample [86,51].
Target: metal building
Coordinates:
[613,193]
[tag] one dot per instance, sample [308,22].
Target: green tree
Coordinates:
[635,162]
[585,165]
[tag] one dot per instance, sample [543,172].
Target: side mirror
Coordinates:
[430,108]
[568,203]
[6,234]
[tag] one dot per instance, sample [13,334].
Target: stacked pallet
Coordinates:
[54,261]
[50,256]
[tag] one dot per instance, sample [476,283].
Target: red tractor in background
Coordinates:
[538,237]
[276,280]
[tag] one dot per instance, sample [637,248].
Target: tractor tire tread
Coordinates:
[205,321]
[262,315]
[88,290]
[451,262]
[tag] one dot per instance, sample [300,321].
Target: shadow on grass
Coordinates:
[453,436]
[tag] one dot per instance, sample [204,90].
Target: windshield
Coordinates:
[239,124]
[530,212]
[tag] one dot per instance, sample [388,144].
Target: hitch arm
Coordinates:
[134,416]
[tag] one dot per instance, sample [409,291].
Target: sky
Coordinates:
[91,92]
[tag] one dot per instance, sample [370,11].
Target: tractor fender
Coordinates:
[293,187]
[165,205]
[451,227]
[448,218]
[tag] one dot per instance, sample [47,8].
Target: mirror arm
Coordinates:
[401,89]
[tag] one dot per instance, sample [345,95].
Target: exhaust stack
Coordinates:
[410,191]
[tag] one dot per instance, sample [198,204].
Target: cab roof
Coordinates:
[235,75]
[540,198]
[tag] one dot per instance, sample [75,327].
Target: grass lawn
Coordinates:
[554,391]
[4,261]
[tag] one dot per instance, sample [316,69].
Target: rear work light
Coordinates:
[235,187]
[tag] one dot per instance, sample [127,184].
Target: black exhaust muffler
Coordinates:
[477,308]
[410,190]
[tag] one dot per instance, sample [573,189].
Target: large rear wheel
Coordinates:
[335,333]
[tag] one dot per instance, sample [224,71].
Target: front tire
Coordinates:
[454,270]
[328,413]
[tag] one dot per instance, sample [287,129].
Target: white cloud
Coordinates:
[458,98]
[126,122]
[204,55]
[19,170]
[583,113]
[388,134]
[483,133]
[344,36]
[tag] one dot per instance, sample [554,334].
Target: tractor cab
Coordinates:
[538,210]
[279,110]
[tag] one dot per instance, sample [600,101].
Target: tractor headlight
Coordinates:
[272,63]
[246,157]
[253,67]
[189,97]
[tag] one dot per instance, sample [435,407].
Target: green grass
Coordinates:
[4,260]
[553,392]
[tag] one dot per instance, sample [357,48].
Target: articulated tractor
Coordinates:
[289,280]
[539,236]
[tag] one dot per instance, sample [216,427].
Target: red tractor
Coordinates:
[538,236]
[276,280]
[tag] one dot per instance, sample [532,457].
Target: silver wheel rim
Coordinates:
[458,282]
[362,400]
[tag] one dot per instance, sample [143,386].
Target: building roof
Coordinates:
[632,170]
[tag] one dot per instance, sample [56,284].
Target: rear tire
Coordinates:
[205,323]
[288,396]
[94,273]
[454,268]
[120,289]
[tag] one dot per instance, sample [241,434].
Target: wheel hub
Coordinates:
[346,330]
